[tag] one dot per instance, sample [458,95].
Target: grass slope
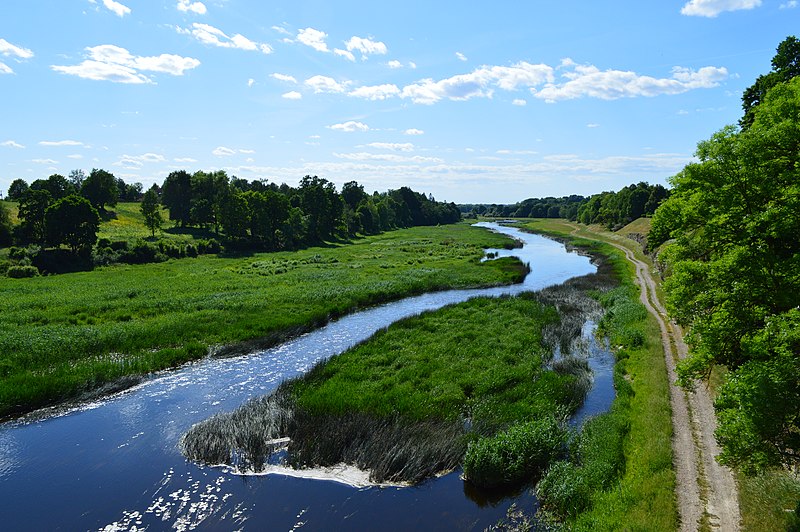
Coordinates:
[639,424]
[61,336]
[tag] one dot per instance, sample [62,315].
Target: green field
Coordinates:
[64,335]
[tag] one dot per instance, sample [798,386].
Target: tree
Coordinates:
[72,221]
[176,194]
[32,208]
[353,194]
[785,66]
[17,189]
[735,217]
[151,210]
[100,188]
[57,185]
[5,226]
[77,177]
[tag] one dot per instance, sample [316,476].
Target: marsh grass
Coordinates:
[66,335]
[406,403]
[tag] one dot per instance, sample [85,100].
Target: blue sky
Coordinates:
[470,101]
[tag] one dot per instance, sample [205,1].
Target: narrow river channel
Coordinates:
[114,464]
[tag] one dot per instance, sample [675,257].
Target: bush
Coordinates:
[210,246]
[514,455]
[21,272]
[142,253]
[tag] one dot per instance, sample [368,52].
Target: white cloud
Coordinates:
[283,77]
[519,102]
[5,69]
[184,160]
[590,81]
[292,95]
[791,4]
[460,56]
[12,144]
[75,156]
[394,64]
[592,126]
[189,6]
[60,143]
[389,157]
[712,8]
[394,146]
[134,162]
[208,34]
[118,9]
[412,64]
[281,30]
[345,54]
[112,63]
[376,92]
[11,50]
[480,82]
[251,82]
[350,126]
[44,161]
[326,84]
[366,46]
[313,38]
[222,151]
[414,131]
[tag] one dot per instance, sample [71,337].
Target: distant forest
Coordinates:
[611,209]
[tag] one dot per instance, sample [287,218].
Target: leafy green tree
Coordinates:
[176,194]
[100,188]
[785,66]
[32,207]
[353,194]
[5,226]
[234,214]
[735,217]
[322,205]
[151,210]
[17,189]
[57,185]
[77,177]
[269,212]
[72,221]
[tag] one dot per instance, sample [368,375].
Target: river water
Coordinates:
[114,464]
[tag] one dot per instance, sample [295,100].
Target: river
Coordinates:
[114,464]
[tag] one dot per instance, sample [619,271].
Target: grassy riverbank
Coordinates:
[405,404]
[63,336]
[620,476]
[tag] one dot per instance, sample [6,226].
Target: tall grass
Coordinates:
[406,403]
[62,336]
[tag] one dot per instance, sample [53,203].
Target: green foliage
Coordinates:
[736,276]
[5,226]
[616,209]
[17,189]
[21,272]
[151,211]
[516,454]
[100,188]
[770,501]
[72,221]
[32,208]
[785,66]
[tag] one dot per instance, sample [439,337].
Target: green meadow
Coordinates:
[64,336]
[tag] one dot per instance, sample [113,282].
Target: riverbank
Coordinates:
[74,334]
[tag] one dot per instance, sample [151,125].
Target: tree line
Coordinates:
[610,209]
[245,215]
[728,236]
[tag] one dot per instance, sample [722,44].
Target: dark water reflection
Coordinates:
[114,464]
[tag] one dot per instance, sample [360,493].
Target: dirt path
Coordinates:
[706,491]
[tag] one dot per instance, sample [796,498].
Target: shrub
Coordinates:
[142,253]
[20,272]
[514,455]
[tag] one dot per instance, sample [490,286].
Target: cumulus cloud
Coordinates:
[344,53]
[44,161]
[134,162]
[390,157]
[394,63]
[222,151]
[519,102]
[12,144]
[60,143]
[365,47]
[350,126]
[118,9]
[481,82]
[414,131]
[208,34]
[184,160]
[251,82]
[283,77]
[292,95]
[394,146]
[325,84]
[193,7]
[112,63]
[590,81]
[313,38]
[460,56]
[712,8]
[791,4]
[376,92]
[10,50]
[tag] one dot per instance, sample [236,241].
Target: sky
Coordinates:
[470,101]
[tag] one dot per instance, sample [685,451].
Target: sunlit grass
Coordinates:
[63,335]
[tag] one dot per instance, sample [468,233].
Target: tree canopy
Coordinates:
[735,282]
[100,188]
[72,221]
